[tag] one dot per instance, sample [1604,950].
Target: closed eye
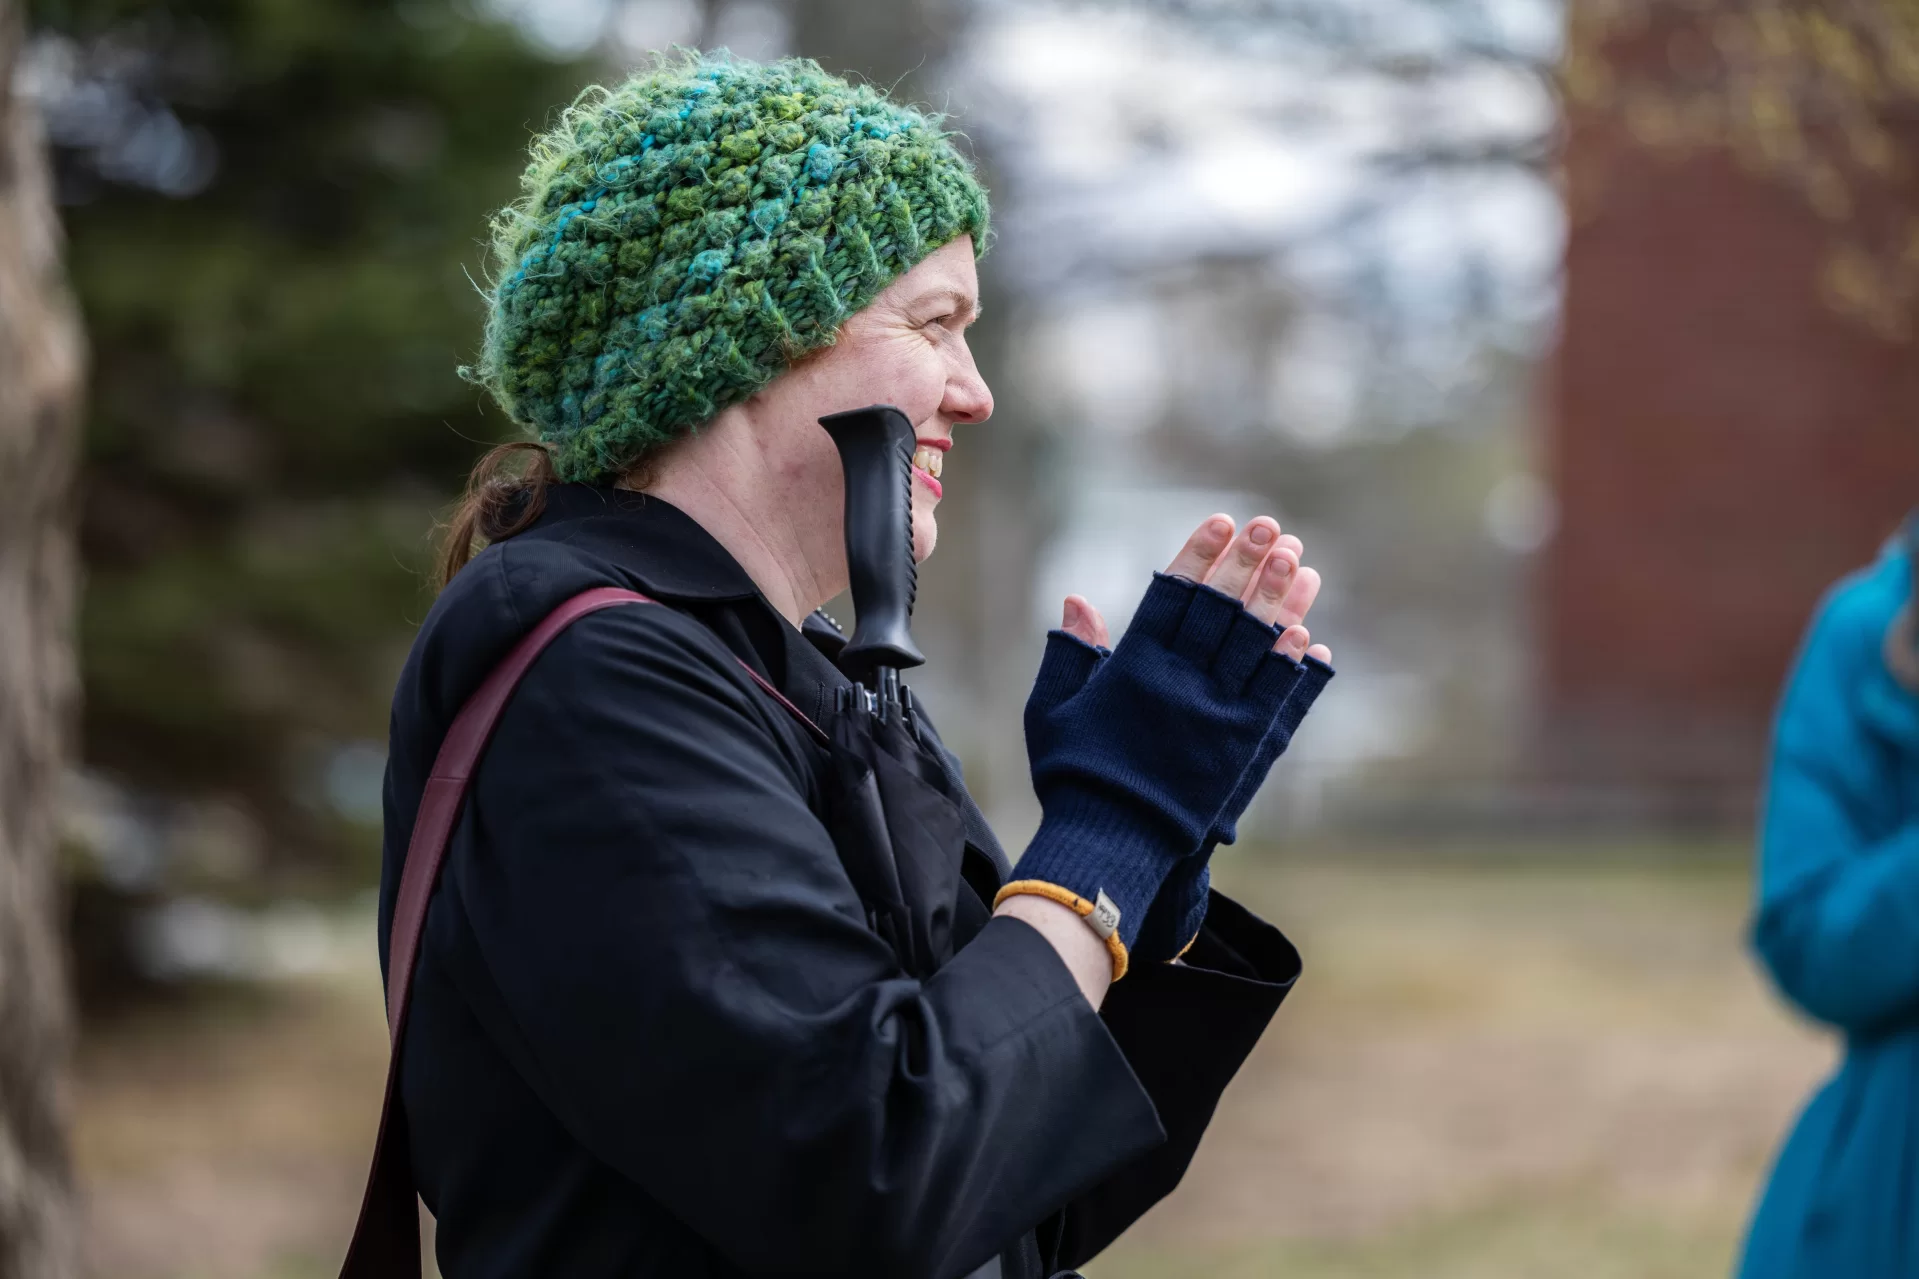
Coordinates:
[950,308]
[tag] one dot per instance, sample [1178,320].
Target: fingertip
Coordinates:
[1212,536]
[1320,652]
[1267,590]
[1300,594]
[1101,637]
[1293,641]
[1207,544]
[1083,622]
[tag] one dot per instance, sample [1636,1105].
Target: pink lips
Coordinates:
[922,476]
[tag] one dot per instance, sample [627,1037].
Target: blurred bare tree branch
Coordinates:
[1822,97]
[1423,45]
[40,372]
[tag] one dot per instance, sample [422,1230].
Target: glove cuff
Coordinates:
[1102,924]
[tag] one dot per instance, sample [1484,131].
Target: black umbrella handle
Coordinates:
[876,453]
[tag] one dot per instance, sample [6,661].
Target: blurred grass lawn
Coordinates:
[1524,1068]
[1521,1067]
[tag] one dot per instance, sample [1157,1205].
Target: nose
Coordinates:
[968,398]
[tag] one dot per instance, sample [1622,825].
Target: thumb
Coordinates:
[1083,622]
[1068,664]
[1070,660]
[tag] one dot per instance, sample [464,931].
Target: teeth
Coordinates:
[928,460]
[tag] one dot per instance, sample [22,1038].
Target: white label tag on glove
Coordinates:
[1105,916]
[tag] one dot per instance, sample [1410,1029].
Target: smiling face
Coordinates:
[906,348]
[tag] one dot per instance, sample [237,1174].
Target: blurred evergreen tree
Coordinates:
[273,209]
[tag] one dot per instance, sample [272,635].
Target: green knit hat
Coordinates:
[687,235]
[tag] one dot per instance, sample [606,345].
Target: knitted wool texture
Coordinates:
[686,236]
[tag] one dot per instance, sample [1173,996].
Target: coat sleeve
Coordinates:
[682,972]
[1186,1028]
[1838,917]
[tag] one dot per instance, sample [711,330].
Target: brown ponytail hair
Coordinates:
[505,493]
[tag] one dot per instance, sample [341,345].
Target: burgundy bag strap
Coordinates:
[386,1240]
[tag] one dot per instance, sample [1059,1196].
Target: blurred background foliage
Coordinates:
[1818,96]
[272,209]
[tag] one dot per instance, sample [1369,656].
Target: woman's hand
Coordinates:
[1137,754]
[1261,565]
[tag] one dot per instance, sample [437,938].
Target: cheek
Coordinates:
[907,372]
[811,473]
[927,387]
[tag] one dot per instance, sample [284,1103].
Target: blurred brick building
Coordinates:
[1723,445]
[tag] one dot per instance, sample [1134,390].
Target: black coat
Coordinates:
[652,1033]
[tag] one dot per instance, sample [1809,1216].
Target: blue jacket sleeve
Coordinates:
[682,972]
[1838,914]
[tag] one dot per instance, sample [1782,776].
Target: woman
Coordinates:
[653,1029]
[1838,928]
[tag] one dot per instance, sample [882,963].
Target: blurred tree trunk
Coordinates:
[40,364]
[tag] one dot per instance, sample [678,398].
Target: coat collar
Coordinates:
[670,557]
[659,545]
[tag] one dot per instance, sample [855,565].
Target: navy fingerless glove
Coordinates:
[1134,767]
[1313,678]
[1179,910]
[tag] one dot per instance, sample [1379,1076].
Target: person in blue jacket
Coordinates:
[1838,928]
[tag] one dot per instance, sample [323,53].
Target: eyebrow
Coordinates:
[961,301]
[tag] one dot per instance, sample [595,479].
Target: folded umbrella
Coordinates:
[894,816]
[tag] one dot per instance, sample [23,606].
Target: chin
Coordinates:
[926,535]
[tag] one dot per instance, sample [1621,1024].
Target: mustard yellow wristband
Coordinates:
[1078,905]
